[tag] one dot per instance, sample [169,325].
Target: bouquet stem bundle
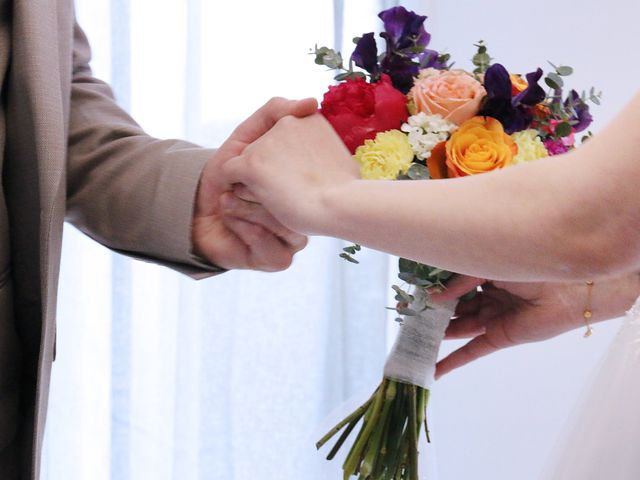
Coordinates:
[386,447]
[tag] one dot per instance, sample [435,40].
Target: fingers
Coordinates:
[237,171]
[466,327]
[242,192]
[268,115]
[235,207]
[265,251]
[457,287]
[476,348]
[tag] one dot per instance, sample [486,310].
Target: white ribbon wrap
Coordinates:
[415,352]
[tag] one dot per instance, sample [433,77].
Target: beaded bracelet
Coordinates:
[587,313]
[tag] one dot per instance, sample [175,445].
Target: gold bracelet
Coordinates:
[587,313]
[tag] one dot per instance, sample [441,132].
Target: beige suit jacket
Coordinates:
[73,153]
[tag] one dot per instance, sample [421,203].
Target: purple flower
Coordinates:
[580,115]
[431,59]
[366,54]
[533,94]
[403,29]
[406,49]
[401,70]
[514,112]
[555,146]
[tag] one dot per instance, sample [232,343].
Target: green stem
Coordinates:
[344,436]
[373,449]
[426,424]
[413,434]
[393,465]
[357,413]
[382,464]
[351,464]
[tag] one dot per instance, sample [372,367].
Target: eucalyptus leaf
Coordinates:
[417,171]
[348,258]
[556,79]
[402,295]
[564,70]
[408,277]
[551,83]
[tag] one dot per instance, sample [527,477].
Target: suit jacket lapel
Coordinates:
[37,94]
[36,139]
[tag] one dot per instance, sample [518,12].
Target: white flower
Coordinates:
[426,131]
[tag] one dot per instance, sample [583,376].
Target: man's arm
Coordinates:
[137,194]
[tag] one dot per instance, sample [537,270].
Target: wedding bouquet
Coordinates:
[406,114]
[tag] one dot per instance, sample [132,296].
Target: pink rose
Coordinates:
[454,94]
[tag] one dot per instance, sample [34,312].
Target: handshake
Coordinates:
[262,191]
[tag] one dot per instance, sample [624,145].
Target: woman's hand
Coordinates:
[505,314]
[291,170]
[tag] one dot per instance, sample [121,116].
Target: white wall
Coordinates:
[499,418]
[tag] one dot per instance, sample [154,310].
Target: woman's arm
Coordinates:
[573,217]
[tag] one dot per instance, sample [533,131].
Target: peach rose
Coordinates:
[454,94]
[480,145]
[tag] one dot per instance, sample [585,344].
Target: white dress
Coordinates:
[604,441]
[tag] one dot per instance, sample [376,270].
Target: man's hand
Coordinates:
[245,235]
[291,170]
[506,314]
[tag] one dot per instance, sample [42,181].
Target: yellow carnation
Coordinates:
[530,146]
[384,157]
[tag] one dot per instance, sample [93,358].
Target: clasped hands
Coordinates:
[235,228]
[263,190]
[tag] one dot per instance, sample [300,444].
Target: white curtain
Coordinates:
[161,377]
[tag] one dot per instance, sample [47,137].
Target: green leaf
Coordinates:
[417,171]
[563,129]
[564,70]
[404,296]
[407,265]
[554,81]
[408,277]
[348,258]
[356,40]
[481,59]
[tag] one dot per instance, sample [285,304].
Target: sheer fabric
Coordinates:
[602,441]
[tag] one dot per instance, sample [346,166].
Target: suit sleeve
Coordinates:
[127,190]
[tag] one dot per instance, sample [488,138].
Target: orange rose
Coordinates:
[454,94]
[480,145]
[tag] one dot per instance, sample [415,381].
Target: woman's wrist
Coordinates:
[610,297]
[333,216]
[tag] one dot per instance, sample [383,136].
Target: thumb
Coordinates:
[269,114]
